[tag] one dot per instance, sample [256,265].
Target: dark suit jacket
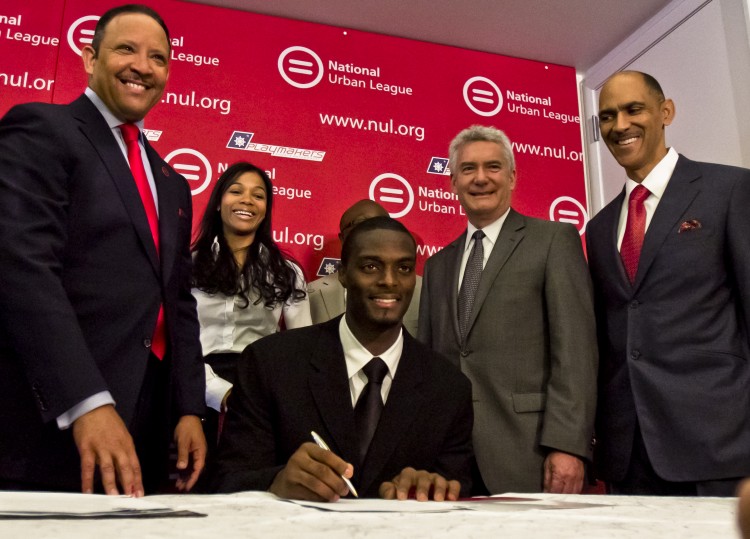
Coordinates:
[674,346]
[82,284]
[531,348]
[295,382]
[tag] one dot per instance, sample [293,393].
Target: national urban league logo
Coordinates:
[194,166]
[569,210]
[81,33]
[391,189]
[483,96]
[300,67]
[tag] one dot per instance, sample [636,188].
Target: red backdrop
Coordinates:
[334,115]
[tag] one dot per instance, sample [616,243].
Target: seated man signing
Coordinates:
[314,379]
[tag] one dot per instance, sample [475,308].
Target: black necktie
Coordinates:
[472,274]
[370,404]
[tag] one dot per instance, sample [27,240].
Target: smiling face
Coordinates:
[379,276]
[130,70]
[483,181]
[243,208]
[632,118]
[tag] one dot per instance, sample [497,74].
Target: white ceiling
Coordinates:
[567,32]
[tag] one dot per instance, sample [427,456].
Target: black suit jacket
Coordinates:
[674,346]
[82,284]
[295,382]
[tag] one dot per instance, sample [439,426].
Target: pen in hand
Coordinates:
[323,445]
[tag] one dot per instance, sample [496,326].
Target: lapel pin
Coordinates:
[165,171]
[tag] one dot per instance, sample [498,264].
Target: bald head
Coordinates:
[358,212]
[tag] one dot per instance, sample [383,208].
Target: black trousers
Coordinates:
[642,480]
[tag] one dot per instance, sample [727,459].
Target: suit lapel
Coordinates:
[96,130]
[401,410]
[329,385]
[333,298]
[509,238]
[452,278]
[167,189]
[610,217]
[682,188]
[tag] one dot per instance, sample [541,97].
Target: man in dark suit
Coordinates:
[671,273]
[309,379]
[327,296]
[510,302]
[92,276]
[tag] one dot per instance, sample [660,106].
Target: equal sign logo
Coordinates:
[81,32]
[569,210]
[300,67]
[483,96]
[194,166]
[394,193]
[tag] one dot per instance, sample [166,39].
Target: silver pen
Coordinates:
[323,445]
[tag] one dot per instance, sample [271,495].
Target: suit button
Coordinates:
[147,343]
[465,353]
[635,354]
[635,304]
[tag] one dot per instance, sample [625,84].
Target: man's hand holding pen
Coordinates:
[313,473]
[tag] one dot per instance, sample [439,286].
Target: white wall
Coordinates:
[699,51]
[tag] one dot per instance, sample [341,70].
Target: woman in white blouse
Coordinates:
[241,280]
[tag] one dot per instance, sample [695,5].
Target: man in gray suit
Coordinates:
[327,295]
[524,334]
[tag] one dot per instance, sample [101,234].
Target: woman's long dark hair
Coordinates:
[266,269]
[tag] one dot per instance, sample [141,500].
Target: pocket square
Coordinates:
[687,226]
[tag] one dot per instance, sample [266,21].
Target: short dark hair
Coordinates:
[382,222]
[651,83]
[110,14]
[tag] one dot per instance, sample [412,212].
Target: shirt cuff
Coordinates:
[216,389]
[66,419]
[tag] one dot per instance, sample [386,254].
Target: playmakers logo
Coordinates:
[242,140]
[302,68]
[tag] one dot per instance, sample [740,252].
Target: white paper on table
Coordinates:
[375,505]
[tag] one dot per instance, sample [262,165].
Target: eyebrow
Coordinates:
[622,107]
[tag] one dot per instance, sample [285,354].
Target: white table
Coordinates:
[254,514]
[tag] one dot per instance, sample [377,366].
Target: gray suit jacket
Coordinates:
[530,352]
[675,346]
[327,301]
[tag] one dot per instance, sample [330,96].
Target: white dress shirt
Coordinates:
[357,356]
[656,182]
[491,232]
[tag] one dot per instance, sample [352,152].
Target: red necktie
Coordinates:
[130,134]
[635,230]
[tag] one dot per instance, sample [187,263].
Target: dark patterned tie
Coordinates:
[130,134]
[635,230]
[469,285]
[370,404]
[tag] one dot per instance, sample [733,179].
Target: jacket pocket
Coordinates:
[529,402]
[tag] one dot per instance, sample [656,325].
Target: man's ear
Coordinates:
[88,54]
[667,111]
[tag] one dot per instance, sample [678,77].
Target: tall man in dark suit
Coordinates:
[318,378]
[510,302]
[670,261]
[95,268]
